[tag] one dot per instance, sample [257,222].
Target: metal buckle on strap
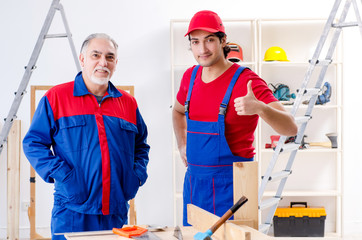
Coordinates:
[222,109]
[187,106]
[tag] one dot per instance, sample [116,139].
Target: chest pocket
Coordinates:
[72,134]
[128,136]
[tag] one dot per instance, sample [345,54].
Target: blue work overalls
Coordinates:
[209,177]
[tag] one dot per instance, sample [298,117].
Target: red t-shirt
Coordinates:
[207,97]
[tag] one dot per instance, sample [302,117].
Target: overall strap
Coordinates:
[192,80]
[225,101]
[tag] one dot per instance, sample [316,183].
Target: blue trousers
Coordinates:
[65,220]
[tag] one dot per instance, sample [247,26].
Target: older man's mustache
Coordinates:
[102,68]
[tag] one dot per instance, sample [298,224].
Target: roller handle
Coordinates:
[229,213]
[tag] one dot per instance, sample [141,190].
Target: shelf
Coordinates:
[246,63]
[290,64]
[324,193]
[309,150]
[318,107]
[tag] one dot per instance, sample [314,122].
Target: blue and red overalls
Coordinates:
[208,180]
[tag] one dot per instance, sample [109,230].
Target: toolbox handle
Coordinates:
[298,203]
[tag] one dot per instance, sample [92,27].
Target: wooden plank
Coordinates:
[203,220]
[13,180]
[95,235]
[31,210]
[132,204]
[246,184]
[129,89]
[132,212]
[254,234]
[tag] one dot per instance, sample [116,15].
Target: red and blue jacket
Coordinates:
[95,153]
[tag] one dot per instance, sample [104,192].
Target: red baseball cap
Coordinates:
[206,20]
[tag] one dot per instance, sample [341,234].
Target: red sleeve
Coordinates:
[184,86]
[260,88]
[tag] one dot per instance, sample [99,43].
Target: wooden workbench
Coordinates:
[200,220]
[167,234]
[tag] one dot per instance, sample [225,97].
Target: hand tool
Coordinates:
[274,141]
[135,232]
[207,235]
[177,233]
[331,144]
[156,228]
[129,231]
[147,236]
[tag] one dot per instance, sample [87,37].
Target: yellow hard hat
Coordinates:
[275,54]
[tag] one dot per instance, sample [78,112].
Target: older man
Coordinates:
[89,139]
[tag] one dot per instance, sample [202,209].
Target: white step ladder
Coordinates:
[304,92]
[55,6]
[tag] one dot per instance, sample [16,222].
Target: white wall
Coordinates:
[143,33]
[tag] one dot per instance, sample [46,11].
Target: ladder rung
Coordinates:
[269,202]
[279,175]
[310,91]
[341,25]
[288,147]
[60,35]
[303,119]
[264,228]
[325,62]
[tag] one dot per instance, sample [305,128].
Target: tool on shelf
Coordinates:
[331,144]
[312,94]
[207,235]
[273,141]
[304,144]
[324,96]
[281,92]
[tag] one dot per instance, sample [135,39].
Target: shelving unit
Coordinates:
[317,171]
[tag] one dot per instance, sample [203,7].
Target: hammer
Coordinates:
[331,144]
[207,235]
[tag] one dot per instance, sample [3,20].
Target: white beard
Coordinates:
[97,80]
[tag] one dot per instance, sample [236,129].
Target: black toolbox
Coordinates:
[296,221]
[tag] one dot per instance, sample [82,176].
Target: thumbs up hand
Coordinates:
[248,104]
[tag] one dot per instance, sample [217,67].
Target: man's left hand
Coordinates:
[247,105]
